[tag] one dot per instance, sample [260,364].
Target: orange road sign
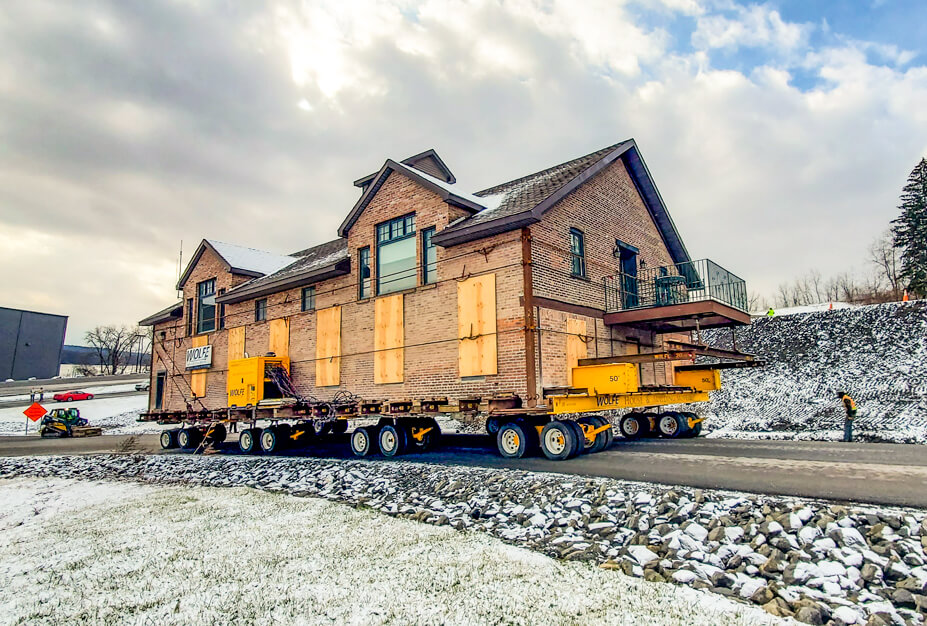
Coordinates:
[35,412]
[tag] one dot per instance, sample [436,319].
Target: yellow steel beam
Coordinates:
[586,404]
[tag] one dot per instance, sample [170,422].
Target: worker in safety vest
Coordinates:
[770,312]
[850,405]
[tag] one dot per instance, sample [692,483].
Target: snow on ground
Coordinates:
[117,416]
[198,555]
[878,354]
[99,390]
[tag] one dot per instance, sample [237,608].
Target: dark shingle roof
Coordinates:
[308,265]
[525,193]
[175,311]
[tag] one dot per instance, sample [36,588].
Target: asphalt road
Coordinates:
[49,403]
[890,474]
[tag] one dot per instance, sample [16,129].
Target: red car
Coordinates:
[70,396]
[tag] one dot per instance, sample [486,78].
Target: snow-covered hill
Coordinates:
[878,354]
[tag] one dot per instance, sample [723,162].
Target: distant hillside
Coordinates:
[878,354]
[84,355]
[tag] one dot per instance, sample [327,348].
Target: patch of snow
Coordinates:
[261,261]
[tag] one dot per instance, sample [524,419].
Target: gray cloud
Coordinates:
[128,126]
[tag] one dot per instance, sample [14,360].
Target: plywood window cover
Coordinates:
[328,347]
[389,339]
[476,326]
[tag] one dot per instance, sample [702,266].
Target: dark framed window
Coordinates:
[206,306]
[577,253]
[260,310]
[429,257]
[189,316]
[221,322]
[396,262]
[363,264]
[308,299]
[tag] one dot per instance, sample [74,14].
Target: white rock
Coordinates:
[538,520]
[642,555]
[847,615]
[805,571]
[795,522]
[831,568]
[850,537]
[845,522]
[751,587]
[804,514]
[774,528]
[832,589]
[684,576]
[874,558]
[697,532]
[734,533]
[599,526]
[809,534]
[643,498]
[850,558]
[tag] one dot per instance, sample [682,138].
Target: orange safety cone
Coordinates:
[831,307]
[904,298]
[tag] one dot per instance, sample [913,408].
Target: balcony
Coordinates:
[677,298]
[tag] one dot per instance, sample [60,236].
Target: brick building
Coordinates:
[431,290]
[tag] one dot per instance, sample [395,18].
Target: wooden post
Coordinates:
[530,325]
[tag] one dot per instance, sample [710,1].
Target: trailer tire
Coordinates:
[671,424]
[558,440]
[218,434]
[634,426]
[189,438]
[493,425]
[392,439]
[429,439]
[168,439]
[603,439]
[271,440]
[248,441]
[579,438]
[512,440]
[364,441]
[696,430]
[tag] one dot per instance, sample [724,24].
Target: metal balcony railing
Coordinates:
[670,285]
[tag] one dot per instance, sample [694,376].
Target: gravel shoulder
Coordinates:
[200,555]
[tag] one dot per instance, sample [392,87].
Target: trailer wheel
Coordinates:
[687,431]
[558,440]
[670,424]
[168,439]
[579,438]
[696,430]
[189,438]
[633,425]
[512,440]
[392,440]
[248,441]
[429,440]
[218,434]
[363,441]
[492,425]
[271,439]
[603,439]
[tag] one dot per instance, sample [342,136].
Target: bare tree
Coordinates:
[112,344]
[887,260]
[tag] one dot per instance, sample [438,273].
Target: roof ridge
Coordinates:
[498,188]
[236,245]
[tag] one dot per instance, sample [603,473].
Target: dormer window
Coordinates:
[396,263]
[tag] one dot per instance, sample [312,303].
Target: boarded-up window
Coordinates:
[576,345]
[388,340]
[280,337]
[198,379]
[236,343]
[328,347]
[476,326]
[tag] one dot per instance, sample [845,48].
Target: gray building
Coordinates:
[30,343]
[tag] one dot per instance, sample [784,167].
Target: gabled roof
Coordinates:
[440,187]
[427,161]
[524,201]
[312,265]
[175,311]
[238,260]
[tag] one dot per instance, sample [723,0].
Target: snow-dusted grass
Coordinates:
[99,390]
[117,416]
[169,555]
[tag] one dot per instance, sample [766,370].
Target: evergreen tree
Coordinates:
[910,231]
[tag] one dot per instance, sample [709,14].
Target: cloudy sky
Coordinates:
[780,134]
